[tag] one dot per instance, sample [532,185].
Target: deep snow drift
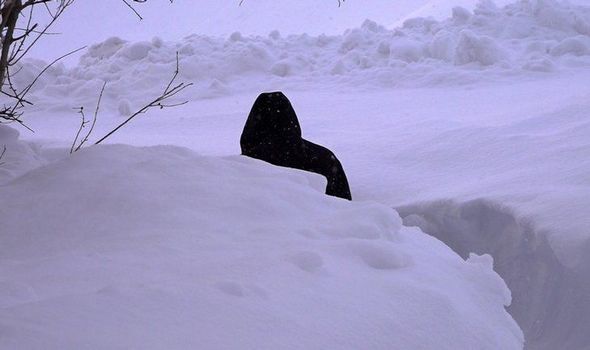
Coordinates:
[476,128]
[121,247]
[521,40]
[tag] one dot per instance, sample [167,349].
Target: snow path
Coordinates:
[551,302]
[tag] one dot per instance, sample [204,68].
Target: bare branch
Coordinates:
[19,32]
[64,4]
[2,154]
[11,113]
[126,2]
[14,47]
[83,124]
[133,8]
[171,90]
[36,31]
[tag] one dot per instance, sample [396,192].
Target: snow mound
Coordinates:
[19,156]
[550,301]
[487,43]
[158,247]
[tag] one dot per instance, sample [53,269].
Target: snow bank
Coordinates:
[486,43]
[521,141]
[550,301]
[158,247]
[19,157]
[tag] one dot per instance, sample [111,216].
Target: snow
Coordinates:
[19,157]
[486,44]
[157,247]
[470,120]
[86,22]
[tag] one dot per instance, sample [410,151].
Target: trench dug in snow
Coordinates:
[551,302]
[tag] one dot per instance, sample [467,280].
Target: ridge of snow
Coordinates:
[525,39]
[158,247]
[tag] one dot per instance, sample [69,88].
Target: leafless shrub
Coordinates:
[22,24]
[172,89]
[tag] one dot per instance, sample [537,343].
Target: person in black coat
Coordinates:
[272,133]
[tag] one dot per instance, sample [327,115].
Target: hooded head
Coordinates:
[272,118]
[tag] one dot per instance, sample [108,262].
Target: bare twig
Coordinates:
[171,90]
[37,32]
[13,113]
[133,8]
[84,122]
[82,125]
[64,4]
[14,47]
[2,154]
[32,83]
[126,2]
[19,32]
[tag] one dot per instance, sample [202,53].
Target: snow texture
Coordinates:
[487,44]
[121,247]
[474,127]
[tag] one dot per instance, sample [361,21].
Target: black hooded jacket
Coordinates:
[272,133]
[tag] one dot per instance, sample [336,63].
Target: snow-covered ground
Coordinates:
[474,128]
[121,247]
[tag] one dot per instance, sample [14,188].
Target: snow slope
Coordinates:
[121,247]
